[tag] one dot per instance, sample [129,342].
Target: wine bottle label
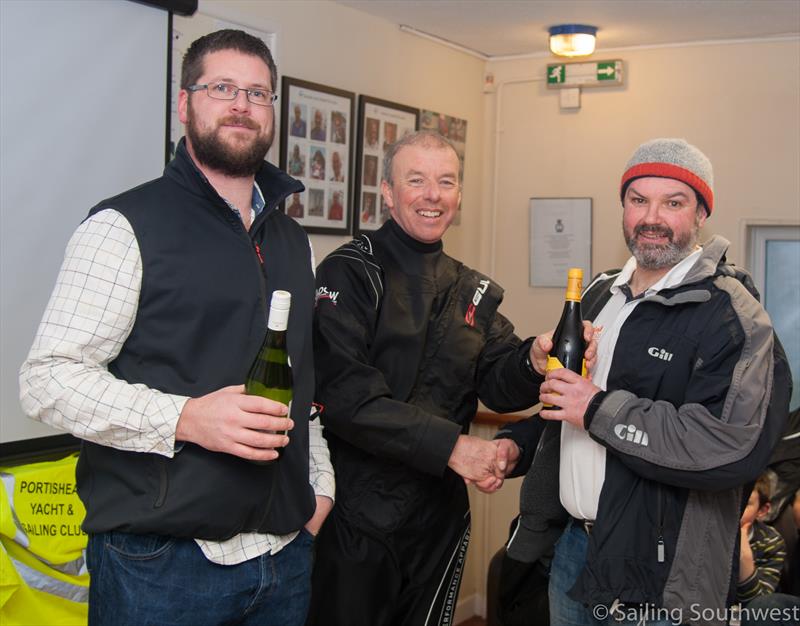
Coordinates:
[554,364]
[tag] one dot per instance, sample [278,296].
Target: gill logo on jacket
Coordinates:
[629,432]
[324,294]
[659,353]
[469,318]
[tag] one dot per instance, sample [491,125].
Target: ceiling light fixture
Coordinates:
[572,40]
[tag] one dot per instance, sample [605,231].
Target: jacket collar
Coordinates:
[275,184]
[712,256]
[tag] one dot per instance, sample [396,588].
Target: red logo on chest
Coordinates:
[469,318]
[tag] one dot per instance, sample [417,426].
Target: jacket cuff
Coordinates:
[748,588]
[525,365]
[526,435]
[604,413]
[594,404]
[440,438]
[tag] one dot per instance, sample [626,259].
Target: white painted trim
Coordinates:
[498,133]
[444,42]
[745,228]
[470,606]
[758,233]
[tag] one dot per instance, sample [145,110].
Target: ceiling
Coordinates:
[509,28]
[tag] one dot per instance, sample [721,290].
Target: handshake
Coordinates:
[483,463]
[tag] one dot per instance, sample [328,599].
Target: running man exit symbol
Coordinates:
[556,74]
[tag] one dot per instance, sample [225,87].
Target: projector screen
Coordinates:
[83,108]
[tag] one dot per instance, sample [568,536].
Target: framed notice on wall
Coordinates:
[560,238]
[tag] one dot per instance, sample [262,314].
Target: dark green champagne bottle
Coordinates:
[568,342]
[270,375]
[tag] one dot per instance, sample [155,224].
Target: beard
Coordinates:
[232,158]
[653,256]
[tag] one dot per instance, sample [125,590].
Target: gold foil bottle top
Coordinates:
[574,284]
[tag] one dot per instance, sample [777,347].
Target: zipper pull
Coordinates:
[258,253]
[661,549]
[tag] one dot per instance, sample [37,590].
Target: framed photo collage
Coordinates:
[338,155]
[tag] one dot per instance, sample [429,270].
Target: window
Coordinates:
[774,259]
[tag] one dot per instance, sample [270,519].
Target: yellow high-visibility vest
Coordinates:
[43,576]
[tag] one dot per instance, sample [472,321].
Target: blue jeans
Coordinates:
[569,559]
[149,580]
[773,608]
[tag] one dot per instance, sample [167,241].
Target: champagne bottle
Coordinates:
[568,342]
[270,376]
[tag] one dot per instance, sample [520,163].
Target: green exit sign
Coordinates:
[583,74]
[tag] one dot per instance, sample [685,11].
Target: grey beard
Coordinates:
[659,256]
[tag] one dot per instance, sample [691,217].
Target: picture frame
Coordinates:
[380,123]
[454,129]
[560,238]
[316,147]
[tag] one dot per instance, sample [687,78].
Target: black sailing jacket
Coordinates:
[406,340]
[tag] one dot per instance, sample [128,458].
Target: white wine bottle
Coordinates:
[568,342]
[270,376]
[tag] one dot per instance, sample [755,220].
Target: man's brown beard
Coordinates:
[216,154]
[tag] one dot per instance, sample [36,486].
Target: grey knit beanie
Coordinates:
[672,158]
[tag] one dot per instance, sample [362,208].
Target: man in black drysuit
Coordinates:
[406,341]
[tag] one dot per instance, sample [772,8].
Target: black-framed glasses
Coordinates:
[228,91]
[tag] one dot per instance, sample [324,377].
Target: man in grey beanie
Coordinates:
[653,455]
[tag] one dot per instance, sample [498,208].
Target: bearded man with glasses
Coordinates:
[159,310]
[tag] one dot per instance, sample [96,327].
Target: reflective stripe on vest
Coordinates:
[37,580]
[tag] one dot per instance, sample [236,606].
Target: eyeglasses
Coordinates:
[227,91]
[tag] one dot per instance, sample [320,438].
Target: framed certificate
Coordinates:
[560,238]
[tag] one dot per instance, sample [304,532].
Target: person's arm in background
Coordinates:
[320,475]
[320,469]
[760,563]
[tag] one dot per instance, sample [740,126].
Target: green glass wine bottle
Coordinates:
[270,376]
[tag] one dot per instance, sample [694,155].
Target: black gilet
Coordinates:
[201,318]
